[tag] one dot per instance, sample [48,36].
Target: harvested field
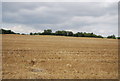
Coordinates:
[59,57]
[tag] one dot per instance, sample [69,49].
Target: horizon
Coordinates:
[100,18]
[58,30]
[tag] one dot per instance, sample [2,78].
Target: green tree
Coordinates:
[69,33]
[112,36]
[2,31]
[47,32]
[79,34]
[118,37]
[62,33]
[31,33]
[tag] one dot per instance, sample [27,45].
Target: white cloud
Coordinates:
[19,28]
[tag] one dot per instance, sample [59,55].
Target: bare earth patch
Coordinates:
[59,57]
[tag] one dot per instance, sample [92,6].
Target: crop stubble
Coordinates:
[59,57]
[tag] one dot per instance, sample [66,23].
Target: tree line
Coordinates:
[2,31]
[60,33]
[67,33]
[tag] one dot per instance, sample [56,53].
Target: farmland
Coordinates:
[58,57]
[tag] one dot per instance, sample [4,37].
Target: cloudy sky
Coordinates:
[97,17]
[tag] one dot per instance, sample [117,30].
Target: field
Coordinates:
[59,57]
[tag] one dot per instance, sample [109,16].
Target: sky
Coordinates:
[24,17]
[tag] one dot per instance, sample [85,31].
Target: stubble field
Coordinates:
[58,57]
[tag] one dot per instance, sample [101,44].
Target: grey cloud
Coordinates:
[0,12]
[52,13]
[80,16]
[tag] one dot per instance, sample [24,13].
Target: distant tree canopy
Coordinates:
[2,31]
[118,37]
[47,32]
[35,33]
[80,34]
[112,36]
[64,33]
[60,33]
[67,33]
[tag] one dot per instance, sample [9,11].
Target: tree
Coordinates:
[112,36]
[64,33]
[31,33]
[61,33]
[23,34]
[47,32]
[58,33]
[69,33]
[79,34]
[99,36]
[118,37]
[2,31]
